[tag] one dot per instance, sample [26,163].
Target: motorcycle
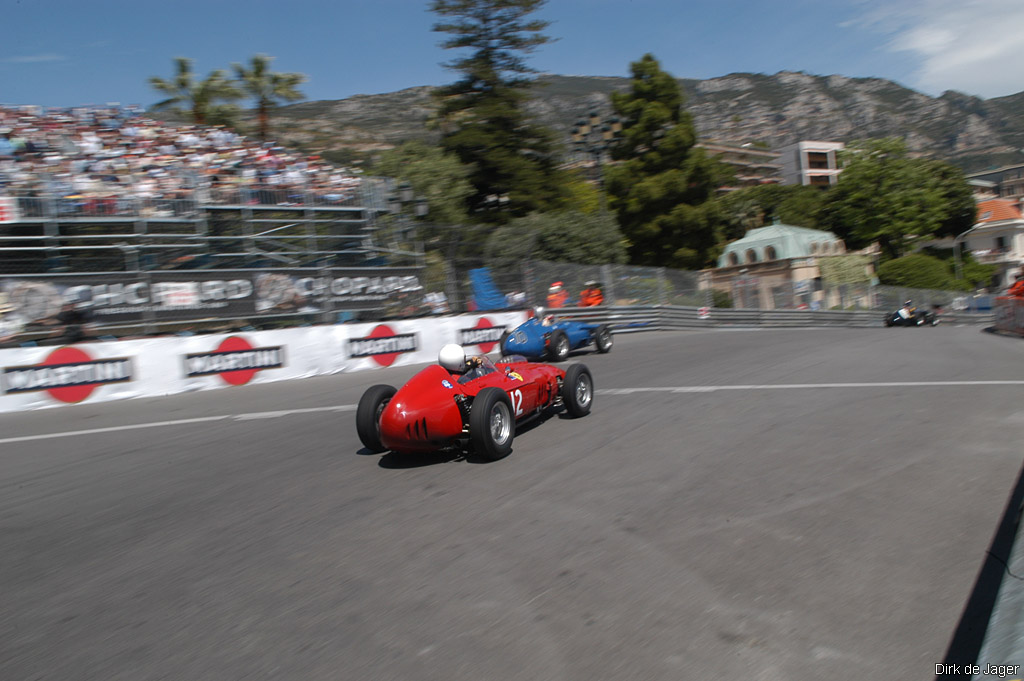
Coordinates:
[912,316]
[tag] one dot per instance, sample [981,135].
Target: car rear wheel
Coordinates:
[578,390]
[492,424]
[368,413]
[558,346]
[603,338]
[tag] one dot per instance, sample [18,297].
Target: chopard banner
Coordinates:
[185,295]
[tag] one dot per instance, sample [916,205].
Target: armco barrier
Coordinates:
[667,317]
[38,377]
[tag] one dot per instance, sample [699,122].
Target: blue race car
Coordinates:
[543,337]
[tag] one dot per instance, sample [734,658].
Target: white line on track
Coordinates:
[254,416]
[802,386]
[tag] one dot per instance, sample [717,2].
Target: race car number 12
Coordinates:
[517,401]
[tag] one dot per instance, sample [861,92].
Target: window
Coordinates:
[770,254]
[817,160]
[751,255]
[734,259]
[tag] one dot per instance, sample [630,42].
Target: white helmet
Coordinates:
[452,357]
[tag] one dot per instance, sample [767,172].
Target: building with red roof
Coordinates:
[997,237]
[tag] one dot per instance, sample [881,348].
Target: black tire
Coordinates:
[558,346]
[578,390]
[371,406]
[603,338]
[501,343]
[492,425]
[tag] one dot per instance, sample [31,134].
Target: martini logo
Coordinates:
[383,345]
[235,360]
[484,334]
[68,374]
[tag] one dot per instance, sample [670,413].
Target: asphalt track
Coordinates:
[759,504]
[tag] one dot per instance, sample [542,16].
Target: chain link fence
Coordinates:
[525,283]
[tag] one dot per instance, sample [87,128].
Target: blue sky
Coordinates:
[72,52]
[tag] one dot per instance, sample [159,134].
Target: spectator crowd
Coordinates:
[112,160]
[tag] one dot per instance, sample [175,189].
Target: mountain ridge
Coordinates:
[769,110]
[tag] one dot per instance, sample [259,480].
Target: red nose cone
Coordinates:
[423,415]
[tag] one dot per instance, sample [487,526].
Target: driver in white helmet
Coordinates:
[453,358]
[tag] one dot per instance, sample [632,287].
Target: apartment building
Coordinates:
[997,238]
[1008,182]
[753,165]
[810,163]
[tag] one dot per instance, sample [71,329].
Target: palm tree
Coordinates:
[267,87]
[208,101]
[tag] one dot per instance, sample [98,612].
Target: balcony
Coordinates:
[994,256]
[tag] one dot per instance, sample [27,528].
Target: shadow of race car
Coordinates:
[455,404]
[541,337]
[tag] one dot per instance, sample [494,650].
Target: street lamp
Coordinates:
[593,137]
[958,266]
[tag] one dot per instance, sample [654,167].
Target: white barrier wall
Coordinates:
[40,377]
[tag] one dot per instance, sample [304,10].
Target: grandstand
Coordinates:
[109,190]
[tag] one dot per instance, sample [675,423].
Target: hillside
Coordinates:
[742,107]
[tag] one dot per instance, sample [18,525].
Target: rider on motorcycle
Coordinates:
[907,311]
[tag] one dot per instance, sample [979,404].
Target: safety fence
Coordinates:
[639,318]
[33,375]
[527,283]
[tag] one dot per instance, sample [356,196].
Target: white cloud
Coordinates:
[34,58]
[972,46]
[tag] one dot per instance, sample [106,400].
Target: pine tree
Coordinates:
[663,188]
[483,117]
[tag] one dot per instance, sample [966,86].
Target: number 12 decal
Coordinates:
[517,401]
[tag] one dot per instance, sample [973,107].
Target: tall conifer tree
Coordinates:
[663,188]
[483,115]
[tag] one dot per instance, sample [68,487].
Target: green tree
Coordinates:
[482,115]
[205,102]
[436,176]
[753,207]
[961,209]
[562,236]
[442,181]
[885,196]
[662,189]
[916,271]
[267,88]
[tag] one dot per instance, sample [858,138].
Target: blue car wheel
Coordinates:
[558,346]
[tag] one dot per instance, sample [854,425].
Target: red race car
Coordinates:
[474,401]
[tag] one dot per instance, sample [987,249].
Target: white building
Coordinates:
[810,163]
[997,238]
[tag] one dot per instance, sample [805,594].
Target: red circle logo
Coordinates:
[386,359]
[485,323]
[72,394]
[236,344]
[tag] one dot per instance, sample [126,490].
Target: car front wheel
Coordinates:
[491,424]
[368,413]
[558,346]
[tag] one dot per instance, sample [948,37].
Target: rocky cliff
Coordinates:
[770,109]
